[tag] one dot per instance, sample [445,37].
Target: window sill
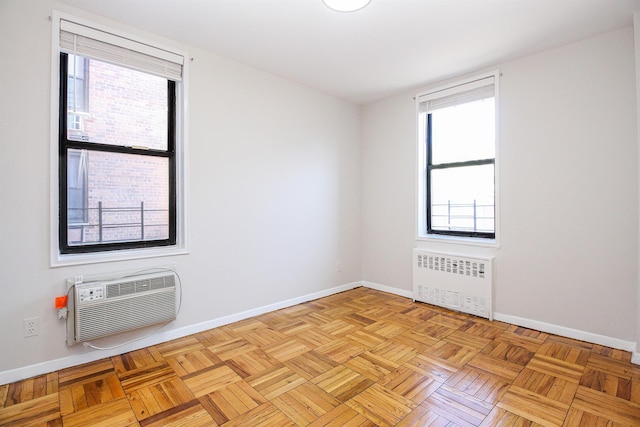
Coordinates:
[457,240]
[61,260]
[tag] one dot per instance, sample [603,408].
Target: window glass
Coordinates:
[462,199]
[77,94]
[464,132]
[128,199]
[76,187]
[117,105]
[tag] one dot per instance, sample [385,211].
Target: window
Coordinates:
[77,195]
[457,146]
[77,93]
[118,142]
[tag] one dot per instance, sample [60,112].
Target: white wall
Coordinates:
[274,192]
[569,190]
[636,38]
[569,187]
[388,191]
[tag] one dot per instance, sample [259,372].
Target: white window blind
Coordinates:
[92,43]
[468,92]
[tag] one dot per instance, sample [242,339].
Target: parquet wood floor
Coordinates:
[358,358]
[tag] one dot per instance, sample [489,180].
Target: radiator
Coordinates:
[455,282]
[105,308]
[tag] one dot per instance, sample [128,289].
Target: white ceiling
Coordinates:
[386,48]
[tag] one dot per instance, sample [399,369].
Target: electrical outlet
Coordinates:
[30,327]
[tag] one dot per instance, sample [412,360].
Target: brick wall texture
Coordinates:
[127,108]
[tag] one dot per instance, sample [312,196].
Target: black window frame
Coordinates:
[430,167]
[66,144]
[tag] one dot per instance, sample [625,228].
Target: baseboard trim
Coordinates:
[91,355]
[567,332]
[388,289]
[539,326]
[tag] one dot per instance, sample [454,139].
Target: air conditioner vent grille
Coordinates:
[122,315]
[107,308]
[137,286]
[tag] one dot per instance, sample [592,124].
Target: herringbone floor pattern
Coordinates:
[358,358]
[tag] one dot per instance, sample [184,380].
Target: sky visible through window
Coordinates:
[462,133]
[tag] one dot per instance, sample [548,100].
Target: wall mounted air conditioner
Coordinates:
[100,309]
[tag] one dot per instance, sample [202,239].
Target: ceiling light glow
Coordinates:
[346,5]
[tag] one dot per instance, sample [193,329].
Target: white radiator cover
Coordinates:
[110,307]
[455,282]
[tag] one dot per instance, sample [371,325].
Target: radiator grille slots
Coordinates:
[453,281]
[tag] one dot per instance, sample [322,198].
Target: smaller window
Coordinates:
[457,142]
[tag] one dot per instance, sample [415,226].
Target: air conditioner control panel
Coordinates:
[93,293]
